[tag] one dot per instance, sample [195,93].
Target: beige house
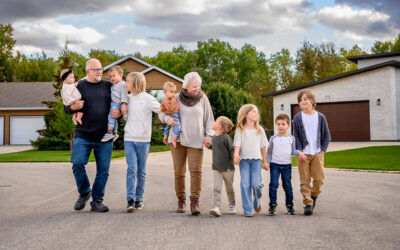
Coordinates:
[22,111]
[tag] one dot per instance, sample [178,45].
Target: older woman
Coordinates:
[196,118]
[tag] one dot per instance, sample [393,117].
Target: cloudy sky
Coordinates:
[149,26]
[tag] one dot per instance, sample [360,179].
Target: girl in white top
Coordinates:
[137,137]
[250,145]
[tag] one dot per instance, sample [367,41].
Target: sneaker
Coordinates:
[314,198]
[131,206]
[81,202]
[272,209]
[232,210]
[258,210]
[98,206]
[290,209]
[215,211]
[107,136]
[248,215]
[115,137]
[308,210]
[139,204]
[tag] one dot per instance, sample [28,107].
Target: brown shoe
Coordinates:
[194,205]
[181,205]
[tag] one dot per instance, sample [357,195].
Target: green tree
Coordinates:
[354,51]
[6,49]
[281,65]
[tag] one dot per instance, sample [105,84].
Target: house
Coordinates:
[361,105]
[22,111]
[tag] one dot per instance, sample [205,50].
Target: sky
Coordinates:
[150,26]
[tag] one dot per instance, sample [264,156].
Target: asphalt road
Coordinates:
[356,210]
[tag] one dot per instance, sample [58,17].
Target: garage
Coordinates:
[24,128]
[1,130]
[347,121]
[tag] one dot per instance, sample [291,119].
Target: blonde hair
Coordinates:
[137,80]
[225,123]
[168,85]
[117,69]
[190,78]
[310,95]
[241,119]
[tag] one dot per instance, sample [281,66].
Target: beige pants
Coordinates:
[194,157]
[227,177]
[313,168]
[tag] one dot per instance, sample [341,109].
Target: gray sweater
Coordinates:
[222,153]
[324,136]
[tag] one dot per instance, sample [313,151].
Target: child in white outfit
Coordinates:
[70,94]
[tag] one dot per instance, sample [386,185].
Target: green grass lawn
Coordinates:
[386,158]
[59,156]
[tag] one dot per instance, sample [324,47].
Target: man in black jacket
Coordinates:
[95,105]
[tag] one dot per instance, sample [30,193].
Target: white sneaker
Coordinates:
[215,211]
[115,137]
[232,210]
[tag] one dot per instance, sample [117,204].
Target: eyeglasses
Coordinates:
[96,70]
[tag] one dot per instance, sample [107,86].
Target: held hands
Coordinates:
[265,166]
[236,159]
[124,108]
[206,143]
[302,156]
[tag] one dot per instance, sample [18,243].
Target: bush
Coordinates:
[51,143]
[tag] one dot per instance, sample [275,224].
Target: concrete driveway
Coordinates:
[356,210]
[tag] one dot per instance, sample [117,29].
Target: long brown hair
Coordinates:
[241,120]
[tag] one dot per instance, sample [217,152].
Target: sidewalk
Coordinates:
[12,149]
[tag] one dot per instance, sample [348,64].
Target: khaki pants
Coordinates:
[227,177]
[194,157]
[313,167]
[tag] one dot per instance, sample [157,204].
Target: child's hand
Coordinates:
[302,156]
[76,84]
[206,143]
[124,108]
[265,166]
[236,159]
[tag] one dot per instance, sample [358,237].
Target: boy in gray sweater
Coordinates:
[223,166]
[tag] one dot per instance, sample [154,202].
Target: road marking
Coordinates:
[54,198]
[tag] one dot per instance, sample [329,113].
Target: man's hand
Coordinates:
[115,113]
[77,105]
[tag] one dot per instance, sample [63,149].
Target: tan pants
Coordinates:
[227,177]
[194,157]
[313,167]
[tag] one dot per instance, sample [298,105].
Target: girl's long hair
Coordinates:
[241,119]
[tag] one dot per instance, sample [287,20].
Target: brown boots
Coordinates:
[181,205]
[194,205]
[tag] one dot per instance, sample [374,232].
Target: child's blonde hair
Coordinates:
[241,120]
[310,95]
[225,123]
[168,85]
[117,69]
[137,80]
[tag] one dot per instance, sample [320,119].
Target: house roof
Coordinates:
[355,59]
[25,95]
[124,59]
[163,72]
[393,63]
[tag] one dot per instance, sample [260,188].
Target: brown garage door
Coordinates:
[347,121]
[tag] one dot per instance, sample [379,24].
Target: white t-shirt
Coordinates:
[283,149]
[250,143]
[310,123]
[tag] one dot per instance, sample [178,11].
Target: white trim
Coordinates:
[26,108]
[163,72]
[124,59]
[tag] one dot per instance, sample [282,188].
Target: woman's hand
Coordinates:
[77,105]
[171,122]
[115,113]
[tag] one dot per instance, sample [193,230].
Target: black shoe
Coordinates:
[314,198]
[131,206]
[308,210]
[139,204]
[272,209]
[81,202]
[290,209]
[98,206]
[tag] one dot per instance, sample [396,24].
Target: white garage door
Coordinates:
[1,130]
[23,128]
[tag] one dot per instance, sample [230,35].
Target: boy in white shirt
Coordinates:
[279,157]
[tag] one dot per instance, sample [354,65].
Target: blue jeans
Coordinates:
[136,156]
[111,121]
[250,182]
[81,149]
[286,174]
[177,128]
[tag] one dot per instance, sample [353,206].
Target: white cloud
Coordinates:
[354,24]
[50,35]
[121,27]
[137,42]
